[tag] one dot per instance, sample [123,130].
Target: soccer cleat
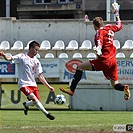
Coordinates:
[67,90]
[51,117]
[25,108]
[126,92]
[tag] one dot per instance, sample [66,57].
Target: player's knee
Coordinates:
[32,97]
[93,68]
[35,101]
[78,68]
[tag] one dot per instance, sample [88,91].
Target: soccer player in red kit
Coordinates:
[106,57]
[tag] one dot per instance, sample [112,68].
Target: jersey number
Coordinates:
[110,36]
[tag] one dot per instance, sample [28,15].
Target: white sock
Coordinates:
[29,103]
[40,107]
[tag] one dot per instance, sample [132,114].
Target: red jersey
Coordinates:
[104,39]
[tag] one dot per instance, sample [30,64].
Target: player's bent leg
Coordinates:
[39,105]
[118,86]
[77,77]
[124,88]
[70,90]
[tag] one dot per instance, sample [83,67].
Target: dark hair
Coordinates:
[98,21]
[33,44]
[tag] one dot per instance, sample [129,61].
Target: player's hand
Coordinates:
[51,88]
[2,53]
[98,50]
[116,7]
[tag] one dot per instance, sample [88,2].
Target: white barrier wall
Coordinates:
[53,30]
[100,97]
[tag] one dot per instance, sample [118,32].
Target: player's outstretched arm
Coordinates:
[116,7]
[7,58]
[43,80]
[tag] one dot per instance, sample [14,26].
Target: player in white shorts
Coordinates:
[28,66]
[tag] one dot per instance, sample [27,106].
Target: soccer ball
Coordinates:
[60,99]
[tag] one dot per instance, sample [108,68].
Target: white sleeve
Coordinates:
[16,58]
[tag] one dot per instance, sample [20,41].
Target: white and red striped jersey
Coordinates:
[27,68]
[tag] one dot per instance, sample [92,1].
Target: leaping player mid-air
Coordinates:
[106,56]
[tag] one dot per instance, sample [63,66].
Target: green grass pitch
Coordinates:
[14,121]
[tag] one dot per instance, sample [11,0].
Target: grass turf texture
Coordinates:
[66,121]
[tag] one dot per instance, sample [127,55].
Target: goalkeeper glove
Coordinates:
[98,50]
[116,7]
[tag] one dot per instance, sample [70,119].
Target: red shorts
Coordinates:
[30,89]
[109,67]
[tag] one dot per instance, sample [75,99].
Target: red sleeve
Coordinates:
[100,36]
[117,26]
